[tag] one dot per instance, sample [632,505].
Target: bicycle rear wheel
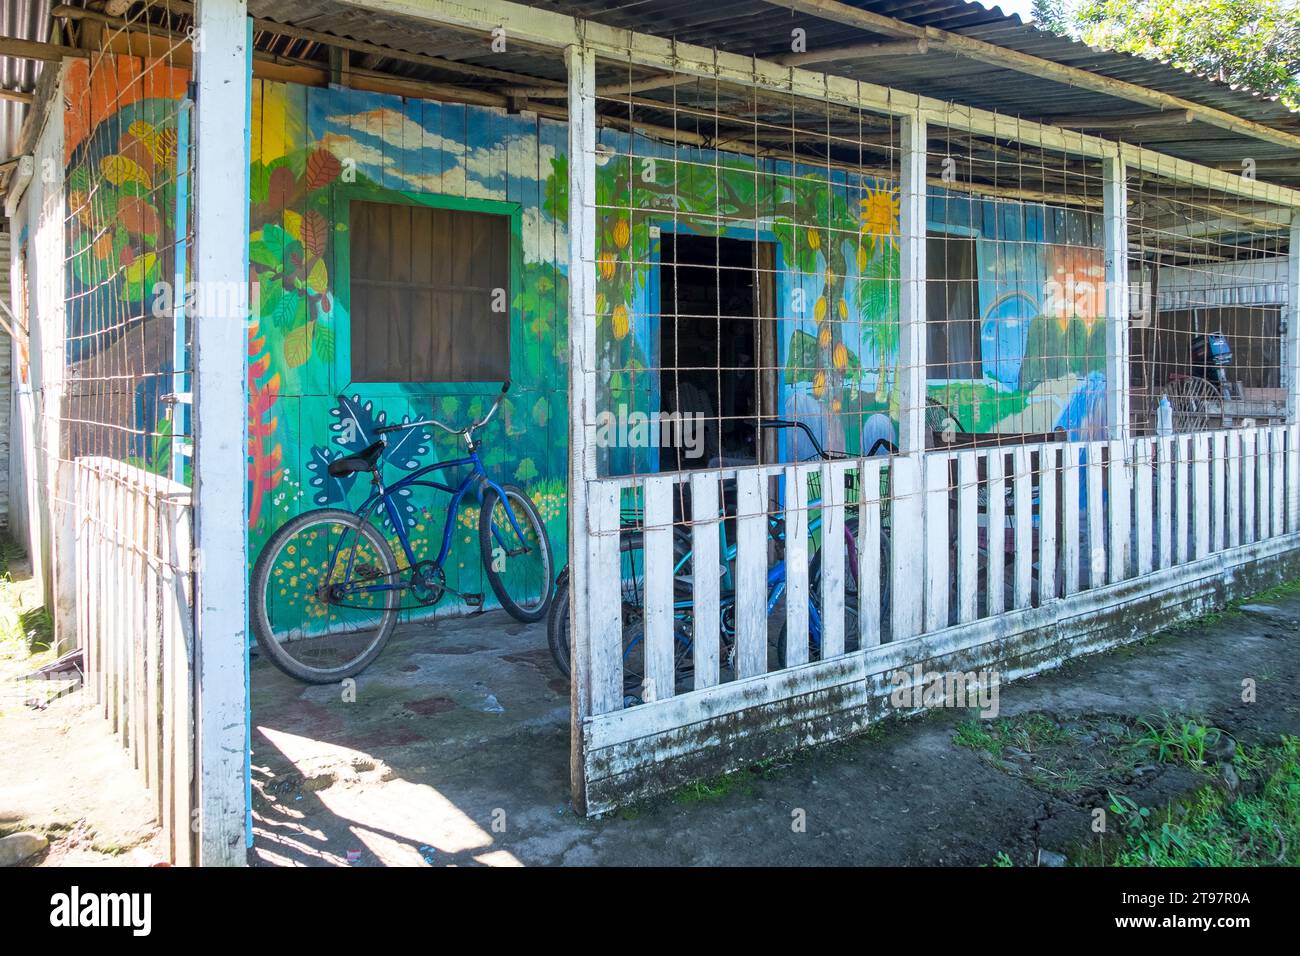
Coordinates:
[309,614]
[518,564]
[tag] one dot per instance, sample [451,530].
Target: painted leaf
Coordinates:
[259,253]
[280,187]
[318,279]
[405,449]
[324,343]
[118,170]
[163,145]
[297,345]
[322,168]
[140,275]
[329,490]
[355,422]
[139,153]
[315,232]
[281,245]
[137,216]
[259,183]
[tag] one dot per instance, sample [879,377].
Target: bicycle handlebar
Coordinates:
[879,443]
[789,423]
[475,426]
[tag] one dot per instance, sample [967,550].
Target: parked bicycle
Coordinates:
[632,565]
[328,590]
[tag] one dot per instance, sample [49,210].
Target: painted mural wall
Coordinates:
[1040,277]
[120,157]
[837,263]
[313,152]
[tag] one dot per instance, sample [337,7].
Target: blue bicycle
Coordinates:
[328,590]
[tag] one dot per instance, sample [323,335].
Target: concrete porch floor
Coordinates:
[456,751]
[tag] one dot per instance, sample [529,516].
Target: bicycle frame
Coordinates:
[775,586]
[385,495]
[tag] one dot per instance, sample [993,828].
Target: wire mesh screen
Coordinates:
[127,236]
[116,390]
[1208,290]
[753,383]
[747,269]
[1015,292]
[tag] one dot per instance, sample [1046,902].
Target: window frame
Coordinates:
[344,196]
[945,231]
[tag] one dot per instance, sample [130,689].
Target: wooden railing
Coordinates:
[134,590]
[931,542]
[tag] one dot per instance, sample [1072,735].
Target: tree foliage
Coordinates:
[1253,43]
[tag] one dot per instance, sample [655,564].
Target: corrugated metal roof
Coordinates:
[25,20]
[753,28]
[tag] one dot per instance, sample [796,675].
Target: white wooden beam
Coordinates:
[1115,245]
[581,66]
[911,338]
[222,72]
[548,28]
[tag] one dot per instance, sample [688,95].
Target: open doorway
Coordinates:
[718,355]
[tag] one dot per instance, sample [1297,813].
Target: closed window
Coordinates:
[430,294]
[952,322]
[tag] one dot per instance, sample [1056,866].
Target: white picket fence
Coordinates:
[134,590]
[967,536]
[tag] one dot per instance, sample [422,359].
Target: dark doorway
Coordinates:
[717,352]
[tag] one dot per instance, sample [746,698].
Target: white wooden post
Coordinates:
[911,340]
[1115,227]
[1291,322]
[1291,370]
[221,68]
[581,65]
[907,475]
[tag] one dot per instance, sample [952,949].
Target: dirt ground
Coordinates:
[62,773]
[455,751]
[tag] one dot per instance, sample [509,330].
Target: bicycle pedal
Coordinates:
[473,600]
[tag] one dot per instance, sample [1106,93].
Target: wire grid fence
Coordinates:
[1015,292]
[747,266]
[122,432]
[749,285]
[1209,291]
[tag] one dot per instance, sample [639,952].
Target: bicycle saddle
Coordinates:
[364,460]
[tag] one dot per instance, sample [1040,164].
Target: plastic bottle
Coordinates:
[1164,417]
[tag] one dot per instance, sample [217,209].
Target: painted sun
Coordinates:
[880,214]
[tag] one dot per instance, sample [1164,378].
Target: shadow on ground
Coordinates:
[455,750]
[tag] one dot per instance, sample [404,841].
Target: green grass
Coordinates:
[1181,741]
[25,632]
[1028,733]
[1214,829]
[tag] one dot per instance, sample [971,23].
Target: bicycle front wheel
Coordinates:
[324,597]
[516,554]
